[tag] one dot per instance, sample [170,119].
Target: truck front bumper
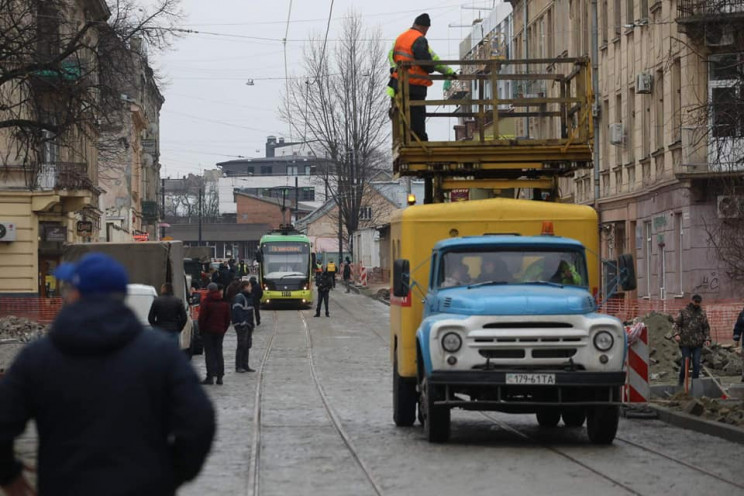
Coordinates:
[490,390]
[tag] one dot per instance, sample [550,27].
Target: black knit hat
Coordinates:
[423,20]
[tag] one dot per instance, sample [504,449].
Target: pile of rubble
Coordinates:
[18,329]
[725,411]
[665,358]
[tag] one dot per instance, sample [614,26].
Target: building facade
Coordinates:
[669,145]
[49,194]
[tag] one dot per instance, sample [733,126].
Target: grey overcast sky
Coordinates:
[211,115]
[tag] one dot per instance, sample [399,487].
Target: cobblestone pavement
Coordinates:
[300,452]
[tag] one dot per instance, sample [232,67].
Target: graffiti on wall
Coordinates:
[709,282]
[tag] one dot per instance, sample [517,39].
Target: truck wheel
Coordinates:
[574,417]
[548,417]
[404,398]
[436,418]
[601,424]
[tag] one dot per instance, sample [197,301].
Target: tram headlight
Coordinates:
[603,340]
[451,342]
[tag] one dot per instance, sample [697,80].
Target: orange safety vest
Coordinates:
[403,50]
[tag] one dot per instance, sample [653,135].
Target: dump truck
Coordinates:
[149,262]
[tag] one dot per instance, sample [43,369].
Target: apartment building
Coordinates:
[670,122]
[49,191]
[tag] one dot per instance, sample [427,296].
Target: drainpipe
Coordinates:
[526,66]
[595,90]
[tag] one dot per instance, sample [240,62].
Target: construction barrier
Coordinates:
[721,313]
[364,277]
[637,388]
[41,310]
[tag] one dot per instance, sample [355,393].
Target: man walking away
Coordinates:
[214,319]
[324,283]
[242,319]
[412,45]
[692,331]
[168,313]
[118,409]
[257,293]
[738,331]
[347,274]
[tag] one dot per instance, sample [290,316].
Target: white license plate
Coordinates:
[530,378]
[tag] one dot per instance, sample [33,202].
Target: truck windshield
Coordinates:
[512,267]
[285,260]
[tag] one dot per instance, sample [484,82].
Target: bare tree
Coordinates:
[61,73]
[182,199]
[341,108]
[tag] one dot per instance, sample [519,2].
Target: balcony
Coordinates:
[698,13]
[64,176]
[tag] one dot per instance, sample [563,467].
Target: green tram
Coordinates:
[285,270]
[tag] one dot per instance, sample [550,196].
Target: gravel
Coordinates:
[14,333]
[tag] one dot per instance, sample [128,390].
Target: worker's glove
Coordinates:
[447,85]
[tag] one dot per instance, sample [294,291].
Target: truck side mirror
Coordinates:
[626,269]
[401,278]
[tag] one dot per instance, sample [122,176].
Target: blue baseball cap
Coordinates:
[94,273]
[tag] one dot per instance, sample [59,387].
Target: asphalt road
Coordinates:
[316,418]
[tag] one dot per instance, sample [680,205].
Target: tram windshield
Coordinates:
[285,259]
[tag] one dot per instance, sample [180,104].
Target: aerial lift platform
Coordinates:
[489,96]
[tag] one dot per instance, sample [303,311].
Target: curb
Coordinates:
[360,291]
[704,426]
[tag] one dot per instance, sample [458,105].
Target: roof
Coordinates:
[219,232]
[291,236]
[263,160]
[508,241]
[316,214]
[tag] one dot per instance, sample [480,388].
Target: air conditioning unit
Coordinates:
[7,231]
[617,134]
[730,207]
[719,35]
[644,82]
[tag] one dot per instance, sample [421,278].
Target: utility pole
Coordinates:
[297,198]
[340,232]
[162,206]
[200,214]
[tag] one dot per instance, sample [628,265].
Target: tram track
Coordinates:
[605,476]
[332,414]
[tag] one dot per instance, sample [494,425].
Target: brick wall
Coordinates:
[252,210]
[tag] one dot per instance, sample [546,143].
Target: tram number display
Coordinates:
[286,293]
[289,248]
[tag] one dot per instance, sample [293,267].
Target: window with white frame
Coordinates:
[725,86]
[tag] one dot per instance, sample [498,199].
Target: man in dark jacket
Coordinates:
[214,319]
[102,428]
[168,313]
[242,319]
[257,293]
[324,282]
[738,331]
[692,331]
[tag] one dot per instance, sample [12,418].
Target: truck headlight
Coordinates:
[603,340]
[451,342]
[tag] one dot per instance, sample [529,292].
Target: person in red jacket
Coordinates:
[214,319]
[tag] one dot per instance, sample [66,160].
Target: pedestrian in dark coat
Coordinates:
[214,319]
[324,282]
[242,319]
[225,275]
[738,332]
[168,313]
[118,408]
[257,293]
[692,331]
[347,274]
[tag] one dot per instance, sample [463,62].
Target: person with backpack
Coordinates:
[257,293]
[242,319]
[331,269]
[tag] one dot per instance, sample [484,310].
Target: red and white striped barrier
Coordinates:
[637,388]
[364,276]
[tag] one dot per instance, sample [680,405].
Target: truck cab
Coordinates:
[503,322]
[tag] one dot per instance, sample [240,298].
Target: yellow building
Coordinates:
[48,187]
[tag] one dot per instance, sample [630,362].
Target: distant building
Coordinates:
[273,211]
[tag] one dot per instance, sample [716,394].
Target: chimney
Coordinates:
[270,145]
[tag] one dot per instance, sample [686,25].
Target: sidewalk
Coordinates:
[376,291]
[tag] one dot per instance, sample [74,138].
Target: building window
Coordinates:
[678,233]
[292,170]
[604,21]
[308,169]
[618,18]
[249,170]
[307,194]
[630,13]
[631,178]
[619,181]
[265,170]
[630,133]
[605,151]
[50,148]
[605,183]
[644,9]
[619,120]
[646,135]
[365,213]
[676,101]
[659,92]
[647,254]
